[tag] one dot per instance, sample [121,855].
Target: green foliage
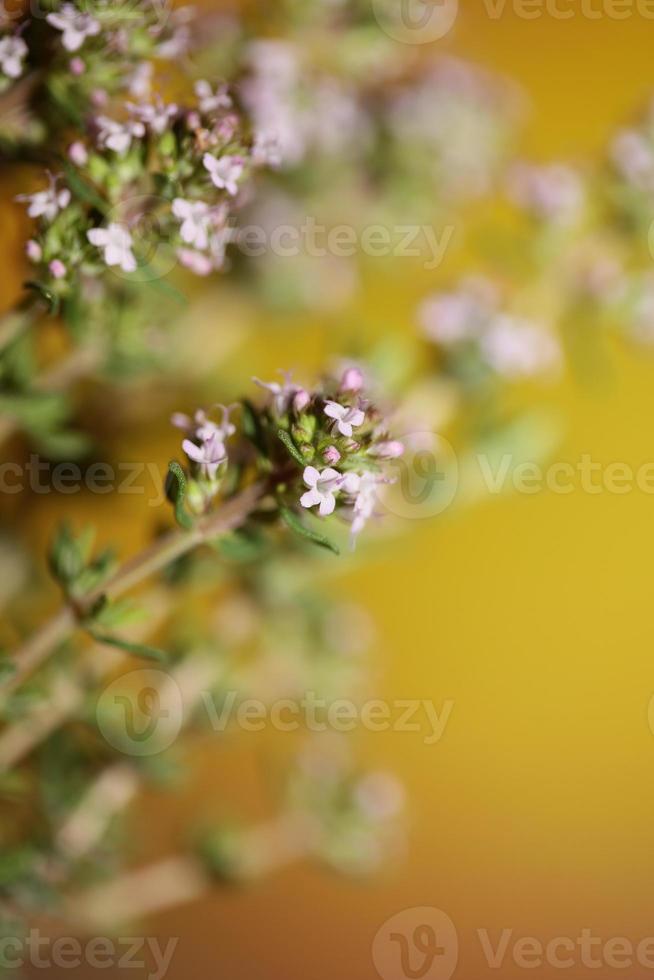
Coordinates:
[176,492]
[291,519]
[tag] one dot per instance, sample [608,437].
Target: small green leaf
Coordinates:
[251,426]
[83,191]
[40,287]
[292,448]
[136,649]
[293,521]
[176,492]
[7,667]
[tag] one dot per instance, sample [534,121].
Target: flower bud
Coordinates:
[57,269]
[352,380]
[33,251]
[77,66]
[77,153]
[300,400]
[331,455]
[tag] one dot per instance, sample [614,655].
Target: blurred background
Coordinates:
[531,613]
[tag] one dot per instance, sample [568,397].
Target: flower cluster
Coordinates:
[89,51]
[469,323]
[143,191]
[327,451]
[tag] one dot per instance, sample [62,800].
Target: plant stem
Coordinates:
[161,553]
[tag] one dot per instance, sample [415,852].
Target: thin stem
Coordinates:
[161,553]
[174,881]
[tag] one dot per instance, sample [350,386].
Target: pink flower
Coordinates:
[116,242]
[346,418]
[208,456]
[46,204]
[322,489]
[301,399]
[33,250]
[77,153]
[387,450]
[74,25]
[210,101]
[197,262]
[283,394]
[331,455]
[157,116]
[13,52]
[224,172]
[57,269]
[118,136]
[352,379]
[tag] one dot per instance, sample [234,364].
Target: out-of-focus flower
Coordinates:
[453,317]
[633,155]
[156,116]
[57,269]
[116,243]
[197,219]
[118,136]
[554,192]
[46,204]
[225,172]
[210,101]
[13,52]
[516,347]
[75,26]
[78,154]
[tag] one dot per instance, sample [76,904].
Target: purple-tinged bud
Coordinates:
[193,120]
[301,399]
[99,98]
[33,250]
[331,455]
[77,153]
[57,269]
[352,380]
[387,450]
[77,66]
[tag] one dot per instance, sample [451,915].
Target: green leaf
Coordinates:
[7,667]
[176,492]
[293,521]
[83,191]
[251,426]
[40,287]
[292,448]
[136,649]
